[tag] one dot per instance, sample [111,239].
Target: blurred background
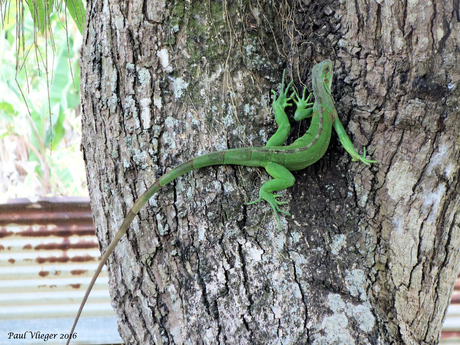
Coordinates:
[48,250]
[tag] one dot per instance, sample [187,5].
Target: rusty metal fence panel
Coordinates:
[48,253]
[451,328]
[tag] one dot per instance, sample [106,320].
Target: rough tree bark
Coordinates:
[370,254]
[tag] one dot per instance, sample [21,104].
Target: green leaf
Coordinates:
[76,9]
[41,11]
[58,130]
[63,96]
[60,78]
[7,109]
[73,88]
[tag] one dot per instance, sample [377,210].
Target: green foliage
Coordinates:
[39,96]
[42,10]
[76,9]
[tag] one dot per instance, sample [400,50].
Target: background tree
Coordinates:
[370,254]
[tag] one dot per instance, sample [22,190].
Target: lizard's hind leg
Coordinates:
[282,179]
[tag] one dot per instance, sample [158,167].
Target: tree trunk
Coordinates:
[369,255]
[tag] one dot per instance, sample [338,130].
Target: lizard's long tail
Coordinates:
[162,181]
[233,156]
[214,158]
[123,228]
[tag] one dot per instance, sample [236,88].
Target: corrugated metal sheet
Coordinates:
[451,327]
[48,253]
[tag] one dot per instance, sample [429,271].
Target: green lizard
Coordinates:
[277,160]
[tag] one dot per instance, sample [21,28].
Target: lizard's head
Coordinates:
[324,69]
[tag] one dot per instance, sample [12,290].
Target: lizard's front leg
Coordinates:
[348,145]
[303,108]
[279,138]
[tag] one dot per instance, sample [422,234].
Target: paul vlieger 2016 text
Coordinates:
[39,335]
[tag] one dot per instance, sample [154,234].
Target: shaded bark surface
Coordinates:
[369,255]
